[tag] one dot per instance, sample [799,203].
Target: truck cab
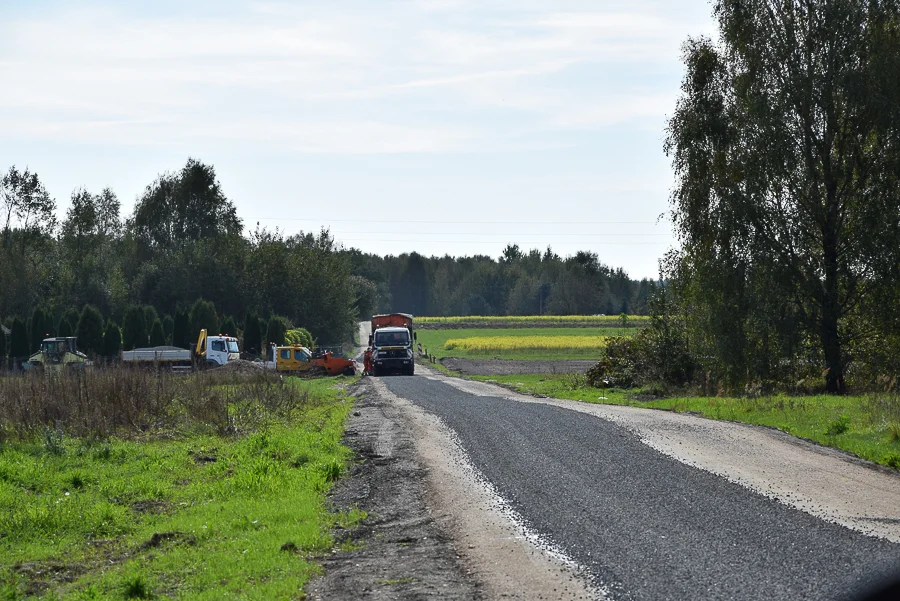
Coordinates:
[294,358]
[217,349]
[392,351]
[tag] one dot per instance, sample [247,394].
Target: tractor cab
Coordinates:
[57,354]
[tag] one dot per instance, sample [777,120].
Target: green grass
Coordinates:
[433,341]
[174,514]
[867,426]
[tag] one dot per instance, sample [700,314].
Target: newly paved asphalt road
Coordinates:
[646,526]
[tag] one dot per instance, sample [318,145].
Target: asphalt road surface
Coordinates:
[645,526]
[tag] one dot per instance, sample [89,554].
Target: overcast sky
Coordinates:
[440,126]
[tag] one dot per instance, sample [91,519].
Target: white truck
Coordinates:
[208,351]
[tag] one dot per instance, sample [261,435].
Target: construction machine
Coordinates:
[57,354]
[207,351]
[297,359]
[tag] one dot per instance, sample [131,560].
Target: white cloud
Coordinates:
[468,104]
[92,72]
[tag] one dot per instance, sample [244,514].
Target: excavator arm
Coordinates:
[200,349]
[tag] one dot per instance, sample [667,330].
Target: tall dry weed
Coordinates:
[123,401]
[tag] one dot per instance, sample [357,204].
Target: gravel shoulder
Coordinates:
[647,524]
[827,483]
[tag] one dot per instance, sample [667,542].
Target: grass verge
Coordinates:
[188,511]
[867,426]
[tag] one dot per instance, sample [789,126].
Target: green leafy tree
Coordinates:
[68,323]
[228,327]
[157,335]
[18,339]
[134,329]
[275,330]
[41,327]
[112,340]
[179,209]
[168,326]
[784,144]
[64,328]
[203,316]
[90,331]
[366,294]
[252,334]
[181,329]
[25,205]
[150,316]
[28,264]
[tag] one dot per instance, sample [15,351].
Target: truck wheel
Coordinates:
[412,370]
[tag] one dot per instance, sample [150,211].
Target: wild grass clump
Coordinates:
[122,401]
[136,586]
[839,426]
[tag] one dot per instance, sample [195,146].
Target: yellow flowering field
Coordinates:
[489,344]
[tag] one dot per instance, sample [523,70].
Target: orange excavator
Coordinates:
[300,360]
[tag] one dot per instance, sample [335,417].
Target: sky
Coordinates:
[437,126]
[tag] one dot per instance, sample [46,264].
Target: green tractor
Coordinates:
[57,354]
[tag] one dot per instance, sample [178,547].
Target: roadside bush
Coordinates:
[839,426]
[299,336]
[652,356]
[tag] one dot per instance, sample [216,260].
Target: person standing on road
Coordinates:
[367,362]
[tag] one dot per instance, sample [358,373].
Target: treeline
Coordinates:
[184,243]
[519,283]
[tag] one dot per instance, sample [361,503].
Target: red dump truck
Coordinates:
[392,344]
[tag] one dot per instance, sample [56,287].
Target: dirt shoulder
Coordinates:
[434,528]
[399,550]
[508,367]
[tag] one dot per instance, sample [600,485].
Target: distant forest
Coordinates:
[185,241]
